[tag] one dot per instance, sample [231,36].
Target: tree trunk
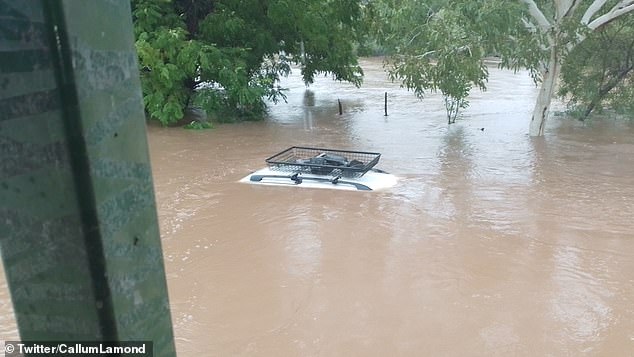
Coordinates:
[547,90]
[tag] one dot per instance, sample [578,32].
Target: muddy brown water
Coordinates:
[492,244]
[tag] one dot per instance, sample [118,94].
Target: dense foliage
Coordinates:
[440,46]
[228,55]
[599,73]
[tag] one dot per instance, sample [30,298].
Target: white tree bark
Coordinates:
[620,9]
[592,9]
[564,7]
[538,15]
[546,91]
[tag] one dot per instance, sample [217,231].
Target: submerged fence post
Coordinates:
[385,104]
[78,229]
[340,108]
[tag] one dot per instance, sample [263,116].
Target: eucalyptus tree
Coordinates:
[563,25]
[440,45]
[232,53]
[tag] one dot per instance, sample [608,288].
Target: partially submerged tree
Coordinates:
[440,46]
[232,53]
[537,35]
[450,67]
[564,24]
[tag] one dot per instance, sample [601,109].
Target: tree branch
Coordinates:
[623,3]
[592,9]
[620,9]
[425,55]
[563,7]
[573,8]
[529,25]
[414,37]
[537,14]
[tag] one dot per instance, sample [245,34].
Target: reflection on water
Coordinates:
[493,243]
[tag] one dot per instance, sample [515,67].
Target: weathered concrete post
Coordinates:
[78,224]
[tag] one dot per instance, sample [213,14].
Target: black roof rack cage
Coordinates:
[344,163]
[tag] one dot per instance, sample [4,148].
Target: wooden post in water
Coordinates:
[79,232]
[340,108]
[385,103]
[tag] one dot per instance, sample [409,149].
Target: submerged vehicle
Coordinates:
[323,168]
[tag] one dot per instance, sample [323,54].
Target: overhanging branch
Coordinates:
[537,14]
[563,7]
[620,9]
[572,8]
[592,9]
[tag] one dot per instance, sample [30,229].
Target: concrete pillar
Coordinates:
[78,225]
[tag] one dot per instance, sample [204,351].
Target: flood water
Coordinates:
[492,244]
